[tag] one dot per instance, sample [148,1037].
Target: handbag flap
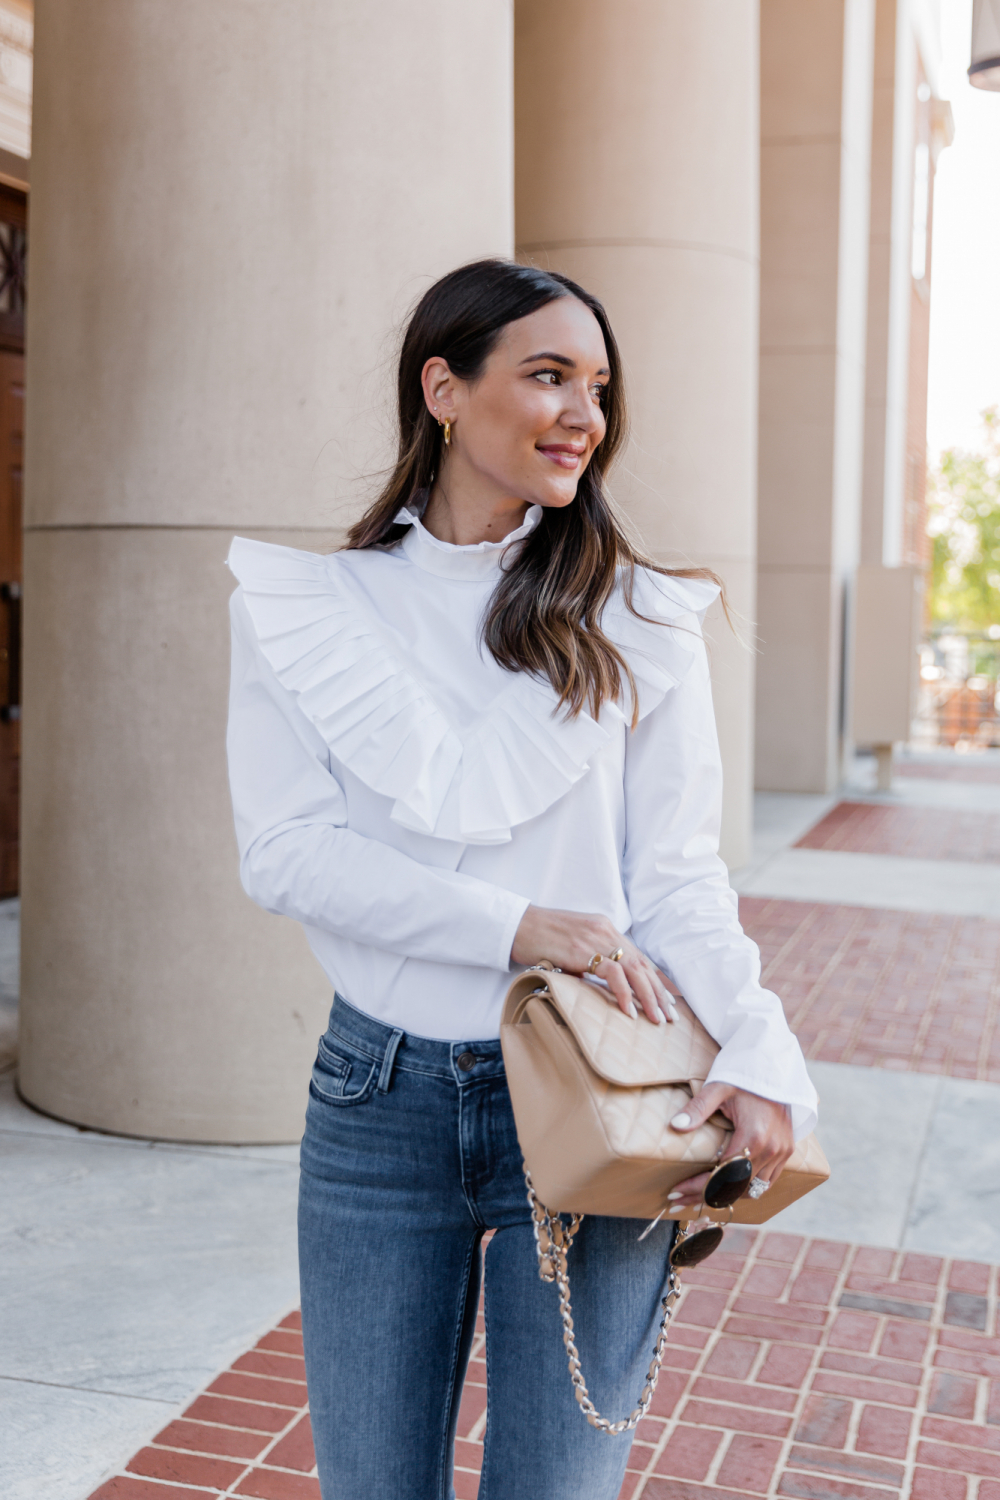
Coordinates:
[631,1054]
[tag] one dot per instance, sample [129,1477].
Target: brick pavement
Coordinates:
[802,1368]
[795,1368]
[247,1434]
[902,990]
[969,768]
[914,832]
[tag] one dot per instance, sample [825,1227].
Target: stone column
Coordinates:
[233,204]
[890,234]
[816,102]
[636,173]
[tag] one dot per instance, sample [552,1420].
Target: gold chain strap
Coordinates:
[553,1240]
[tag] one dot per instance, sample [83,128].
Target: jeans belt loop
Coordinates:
[385,1075]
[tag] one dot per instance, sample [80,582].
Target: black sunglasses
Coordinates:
[725,1187]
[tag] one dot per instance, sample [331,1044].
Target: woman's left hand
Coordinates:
[760,1125]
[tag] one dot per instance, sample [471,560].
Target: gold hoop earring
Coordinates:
[447,433]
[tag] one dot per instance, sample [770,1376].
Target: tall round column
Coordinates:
[232,206]
[636,129]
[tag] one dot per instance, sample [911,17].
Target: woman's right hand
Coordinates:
[569,939]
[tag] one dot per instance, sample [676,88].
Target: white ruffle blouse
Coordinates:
[405,798]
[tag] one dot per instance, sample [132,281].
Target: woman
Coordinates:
[481,735]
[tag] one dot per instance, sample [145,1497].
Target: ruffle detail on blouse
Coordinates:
[375,717]
[378,720]
[660,649]
[518,759]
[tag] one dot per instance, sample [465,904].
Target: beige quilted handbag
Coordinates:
[593,1094]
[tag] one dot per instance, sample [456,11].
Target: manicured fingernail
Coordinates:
[681,1121]
[660,1017]
[672,1196]
[632,1011]
[672,1013]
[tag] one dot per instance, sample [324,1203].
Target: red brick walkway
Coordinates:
[248,1434]
[970,768]
[885,989]
[798,1368]
[795,1368]
[916,832]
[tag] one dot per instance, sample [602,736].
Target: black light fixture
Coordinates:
[984,70]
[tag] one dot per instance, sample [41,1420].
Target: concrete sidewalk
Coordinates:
[132,1273]
[915,1156]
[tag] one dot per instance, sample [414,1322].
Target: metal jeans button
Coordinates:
[467,1060]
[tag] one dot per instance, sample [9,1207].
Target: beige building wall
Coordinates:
[233,204]
[636,174]
[816,91]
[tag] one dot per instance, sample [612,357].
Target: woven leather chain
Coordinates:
[553,1239]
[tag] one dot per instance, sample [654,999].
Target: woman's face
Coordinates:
[528,427]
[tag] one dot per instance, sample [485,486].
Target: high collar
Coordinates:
[480,560]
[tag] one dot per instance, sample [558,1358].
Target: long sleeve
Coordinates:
[684,913]
[298,859]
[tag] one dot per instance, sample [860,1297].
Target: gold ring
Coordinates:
[614,957]
[598,958]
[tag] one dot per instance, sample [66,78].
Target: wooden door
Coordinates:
[13,261]
[11,442]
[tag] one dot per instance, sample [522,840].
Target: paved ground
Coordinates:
[893,881]
[891,989]
[915,1163]
[914,832]
[137,1273]
[973,770]
[130,1274]
[796,1367]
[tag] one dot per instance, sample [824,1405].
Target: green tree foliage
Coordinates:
[964,523]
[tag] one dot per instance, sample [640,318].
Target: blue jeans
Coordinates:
[409,1156]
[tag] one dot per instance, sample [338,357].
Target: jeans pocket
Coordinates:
[340,1075]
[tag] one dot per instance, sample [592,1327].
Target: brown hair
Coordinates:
[545,614]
